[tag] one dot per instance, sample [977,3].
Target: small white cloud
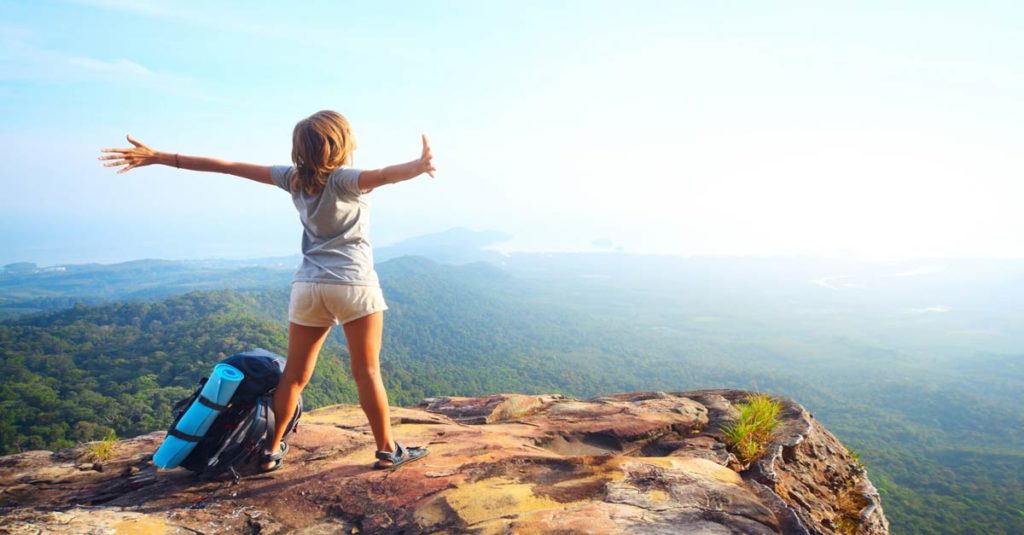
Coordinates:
[834,283]
[927,310]
[826,282]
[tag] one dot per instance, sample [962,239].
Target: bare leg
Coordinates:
[303,348]
[364,341]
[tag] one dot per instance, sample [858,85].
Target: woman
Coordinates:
[336,282]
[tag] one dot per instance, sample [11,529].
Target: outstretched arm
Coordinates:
[371,179]
[141,155]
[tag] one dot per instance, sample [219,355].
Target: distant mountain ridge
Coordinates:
[26,288]
[453,246]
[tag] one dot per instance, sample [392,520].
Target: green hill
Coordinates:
[76,374]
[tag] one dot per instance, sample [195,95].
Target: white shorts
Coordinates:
[316,304]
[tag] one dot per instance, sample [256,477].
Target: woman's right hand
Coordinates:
[132,157]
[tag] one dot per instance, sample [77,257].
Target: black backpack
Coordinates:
[239,435]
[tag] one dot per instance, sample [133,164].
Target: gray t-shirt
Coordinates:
[336,224]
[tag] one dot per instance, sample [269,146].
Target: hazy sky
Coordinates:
[878,129]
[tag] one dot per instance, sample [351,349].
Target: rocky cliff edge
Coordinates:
[648,462]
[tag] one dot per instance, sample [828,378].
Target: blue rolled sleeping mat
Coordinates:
[196,421]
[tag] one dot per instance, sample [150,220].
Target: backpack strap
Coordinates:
[271,421]
[184,436]
[203,400]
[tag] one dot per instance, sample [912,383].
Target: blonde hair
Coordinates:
[321,143]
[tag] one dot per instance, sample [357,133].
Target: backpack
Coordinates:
[238,436]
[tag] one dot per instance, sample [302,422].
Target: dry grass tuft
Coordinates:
[749,435]
[102,450]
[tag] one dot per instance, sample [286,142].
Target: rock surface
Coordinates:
[635,463]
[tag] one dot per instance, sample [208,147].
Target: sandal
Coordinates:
[276,458]
[400,456]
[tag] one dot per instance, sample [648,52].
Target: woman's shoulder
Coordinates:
[281,176]
[345,181]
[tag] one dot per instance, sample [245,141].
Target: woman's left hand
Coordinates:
[132,157]
[426,158]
